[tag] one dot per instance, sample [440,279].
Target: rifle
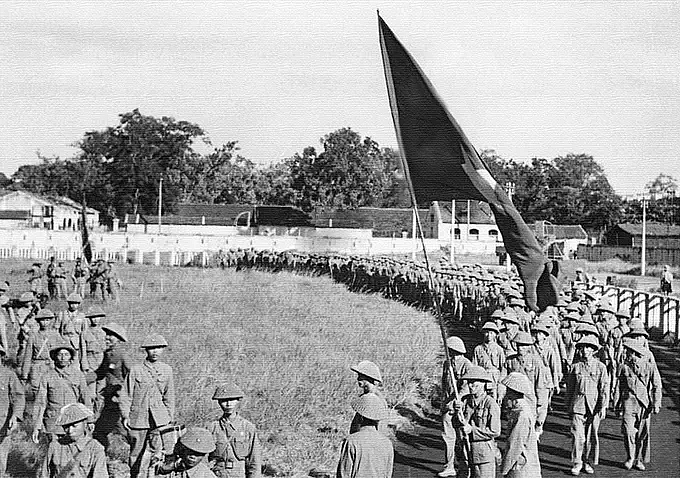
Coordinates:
[459,418]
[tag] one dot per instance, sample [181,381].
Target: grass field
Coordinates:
[287,340]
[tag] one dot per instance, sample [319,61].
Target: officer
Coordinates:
[111,376]
[188,459]
[587,400]
[146,404]
[367,453]
[491,357]
[481,423]
[640,395]
[238,453]
[369,380]
[451,377]
[36,361]
[71,323]
[74,453]
[60,386]
[12,403]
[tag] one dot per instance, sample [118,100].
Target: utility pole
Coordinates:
[453,229]
[160,203]
[643,255]
[510,189]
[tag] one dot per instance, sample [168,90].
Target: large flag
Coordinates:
[441,164]
[86,247]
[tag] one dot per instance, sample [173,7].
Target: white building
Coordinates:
[22,209]
[477,226]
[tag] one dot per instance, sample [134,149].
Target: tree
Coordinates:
[662,186]
[350,172]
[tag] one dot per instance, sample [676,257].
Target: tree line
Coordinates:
[117,171]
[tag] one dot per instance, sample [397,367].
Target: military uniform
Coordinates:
[12,403]
[484,416]
[36,360]
[82,458]
[80,276]
[587,397]
[94,344]
[70,326]
[238,452]
[521,457]
[147,402]
[35,279]
[491,357]
[58,388]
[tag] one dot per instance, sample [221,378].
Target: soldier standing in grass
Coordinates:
[35,279]
[369,380]
[12,402]
[238,453]
[25,319]
[58,387]
[36,361]
[74,453]
[61,289]
[93,341]
[188,459]
[71,323]
[51,283]
[146,404]
[111,376]
[80,276]
[367,453]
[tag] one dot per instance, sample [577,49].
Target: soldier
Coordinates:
[60,386]
[527,362]
[61,290]
[481,423]
[641,391]
[521,457]
[12,402]
[618,354]
[4,316]
[93,341]
[188,459]
[35,279]
[111,376]
[507,335]
[74,453]
[25,320]
[71,323]
[238,453]
[113,283]
[545,349]
[80,276]
[369,380]
[146,404]
[452,387]
[36,361]
[50,273]
[98,279]
[491,357]
[367,453]
[666,281]
[587,401]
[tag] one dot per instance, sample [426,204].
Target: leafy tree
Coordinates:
[350,172]
[663,185]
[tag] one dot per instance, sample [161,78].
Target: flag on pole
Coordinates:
[86,248]
[441,164]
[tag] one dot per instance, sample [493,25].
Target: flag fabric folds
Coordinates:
[441,164]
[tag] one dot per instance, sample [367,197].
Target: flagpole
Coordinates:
[453,229]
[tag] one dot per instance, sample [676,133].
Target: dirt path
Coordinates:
[421,453]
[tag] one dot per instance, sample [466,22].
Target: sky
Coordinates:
[526,78]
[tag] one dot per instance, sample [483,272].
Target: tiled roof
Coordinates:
[480,212]
[653,229]
[384,222]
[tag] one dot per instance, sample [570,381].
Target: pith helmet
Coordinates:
[199,440]
[497,314]
[153,341]
[539,327]
[490,325]
[523,338]
[44,314]
[625,313]
[477,374]
[512,318]
[115,329]
[517,302]
[370,406]
[368,368]
[26,297]
[519,383]
[637,328]
[585,328]
[75,298]
[573,307]
[227,391]
[95,311]
[588,341]
[590,295]
[606,307]
[62,346]
[635,347]
[456,344]
[73,413]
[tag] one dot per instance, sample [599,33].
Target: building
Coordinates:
[657,235]
[560,241]
[477,226]
[22,209]
[383,222]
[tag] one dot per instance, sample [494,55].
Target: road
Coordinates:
[421,452]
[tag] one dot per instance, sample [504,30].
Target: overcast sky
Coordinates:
[526,78]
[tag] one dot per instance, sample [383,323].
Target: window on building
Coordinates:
[474,234]
[456,233]
[493,235]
